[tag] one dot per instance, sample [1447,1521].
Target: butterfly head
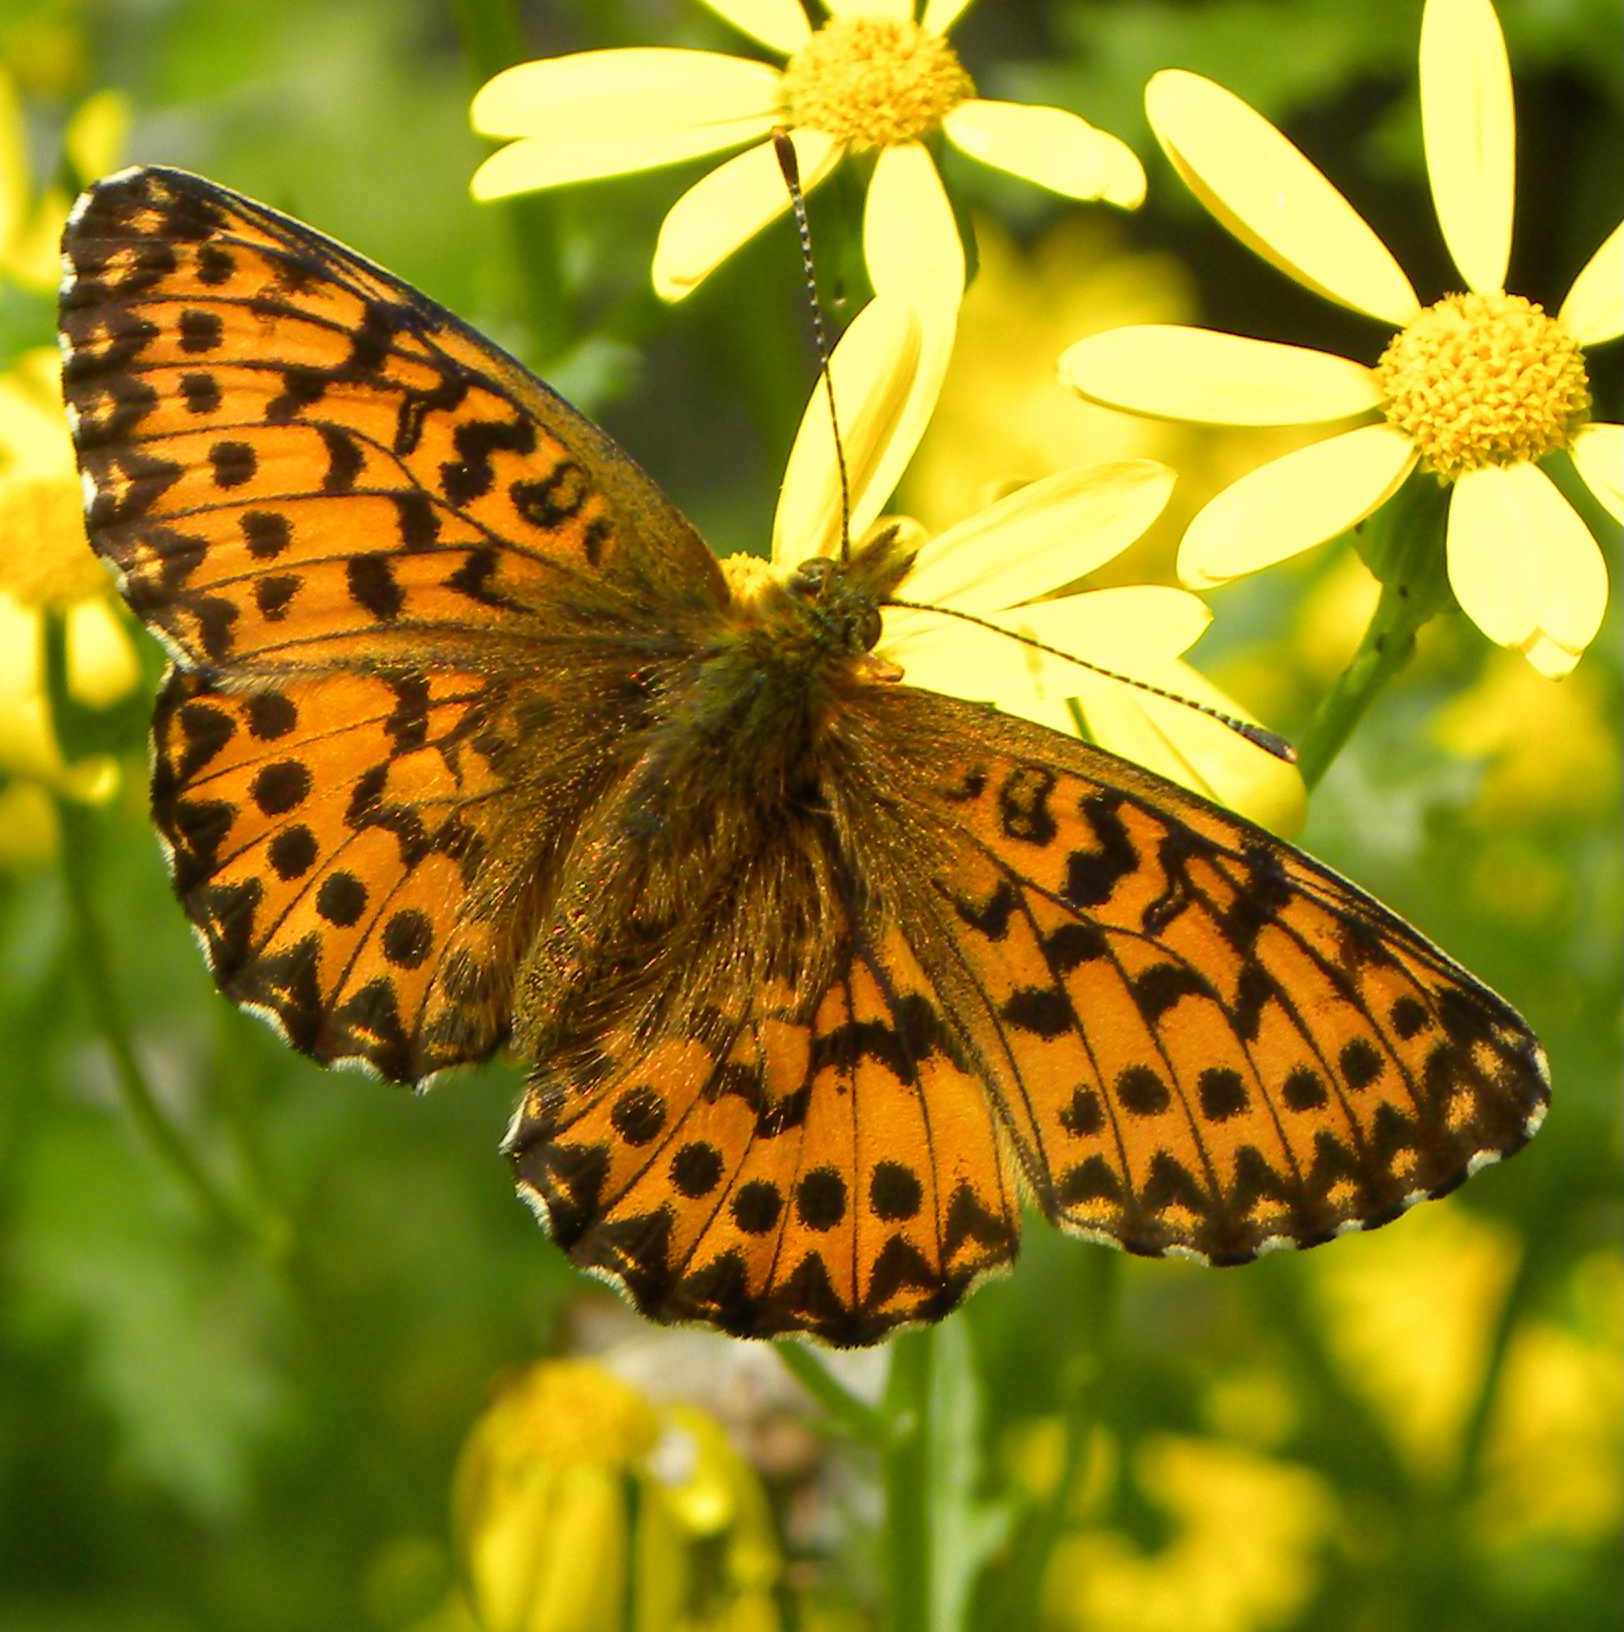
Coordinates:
[843,598]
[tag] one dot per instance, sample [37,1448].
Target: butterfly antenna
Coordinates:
[791,167]
[1269,741]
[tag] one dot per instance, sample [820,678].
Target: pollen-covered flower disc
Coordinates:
[469,740]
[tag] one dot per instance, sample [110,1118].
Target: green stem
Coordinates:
[847,1412]
[1404,546]
[1081,1404]
[165,1140]
[909,1605]
[1474,1435]
[492,34]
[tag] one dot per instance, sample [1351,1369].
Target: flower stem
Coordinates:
[1082,1383]
[847,1412]
[1475,1433]
[166,1141]
[907,1483]
[1403,545]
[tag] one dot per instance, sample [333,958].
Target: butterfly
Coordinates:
[469,742]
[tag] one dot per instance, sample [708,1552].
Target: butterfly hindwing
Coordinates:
[825,1162]
[337,842]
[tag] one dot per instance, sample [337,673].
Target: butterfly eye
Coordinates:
[809,578]
[868,628]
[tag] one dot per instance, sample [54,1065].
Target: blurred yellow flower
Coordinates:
[1407,1317]
[1475,390]
[46,567]
[1213,1574]
[575,1495]
[1552,1463]
[30,226]
[1000,564]
[1410,1319]
[868,81]
[1545,753]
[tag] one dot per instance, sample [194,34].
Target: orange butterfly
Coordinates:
[470,740]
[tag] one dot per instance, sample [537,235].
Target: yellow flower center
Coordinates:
[1482,380]
[874,82]
[748,577]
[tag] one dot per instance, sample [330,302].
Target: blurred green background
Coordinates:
[208,1427]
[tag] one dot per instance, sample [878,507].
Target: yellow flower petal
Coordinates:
[900,11]
[1046,534]
[28,829]
[1594,310]
[631,93]
[913,252]
[13,163]
[875,368]
[1193,749]
[34,440]
[1293,503]
[1128,629]
[729,207]
[36,252]
[941,15]
[102,663]
[1171,371]
[1598,456]
[539,162]
[1470,133]
[1524,567]
[1124,627]
[911,242]
[780,25]
[983,666]
[1266,192]
[97,132]
[1051,147]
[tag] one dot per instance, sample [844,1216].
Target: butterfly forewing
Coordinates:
[297,460]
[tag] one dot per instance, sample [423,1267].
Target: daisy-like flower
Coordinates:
[1474,391]
[1000,564]
[870,81]
[46,564]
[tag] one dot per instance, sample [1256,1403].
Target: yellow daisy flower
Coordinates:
[1005,564]
[46,563]
[1475,390]
[869,81]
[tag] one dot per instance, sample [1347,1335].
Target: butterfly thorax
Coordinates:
[759,703]
[734,808]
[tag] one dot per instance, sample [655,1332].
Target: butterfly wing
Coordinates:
[823,1161]
[294,460]
[386,559]
[1049,971]
[1201,1041]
